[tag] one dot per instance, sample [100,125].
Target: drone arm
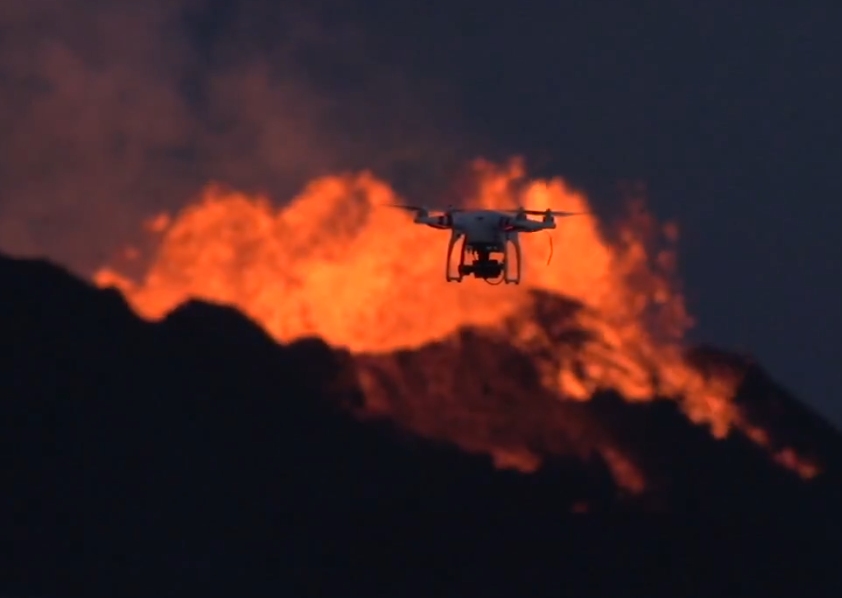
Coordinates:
[439,222]
[533,226]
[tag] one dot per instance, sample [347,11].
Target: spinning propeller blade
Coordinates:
[422,209]
[407,208]
[552,212]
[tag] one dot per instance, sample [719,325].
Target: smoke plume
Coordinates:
[112,111]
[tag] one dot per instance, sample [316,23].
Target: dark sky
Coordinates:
[727,110]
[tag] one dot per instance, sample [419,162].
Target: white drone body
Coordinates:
[489,238]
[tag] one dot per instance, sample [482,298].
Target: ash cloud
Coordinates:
[113,110]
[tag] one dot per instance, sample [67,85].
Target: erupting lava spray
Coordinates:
[332,263]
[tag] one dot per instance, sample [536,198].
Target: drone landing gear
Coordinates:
[483,265]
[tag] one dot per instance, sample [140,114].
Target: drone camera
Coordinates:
[483,269]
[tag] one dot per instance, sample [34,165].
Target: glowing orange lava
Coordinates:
[334,263]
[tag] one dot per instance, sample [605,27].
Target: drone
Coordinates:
[488,238]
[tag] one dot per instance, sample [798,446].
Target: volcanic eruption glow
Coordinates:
[336,264]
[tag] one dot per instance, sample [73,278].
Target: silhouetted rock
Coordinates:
[197,455]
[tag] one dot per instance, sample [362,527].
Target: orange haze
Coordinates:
[332,263]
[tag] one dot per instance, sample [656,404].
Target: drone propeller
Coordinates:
[407,208]
[559,213]
[421,209]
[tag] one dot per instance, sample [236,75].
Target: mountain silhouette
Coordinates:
[196,454]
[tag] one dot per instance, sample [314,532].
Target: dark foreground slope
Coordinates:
[196,455]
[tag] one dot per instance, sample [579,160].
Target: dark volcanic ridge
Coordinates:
[198,454]
[486,395]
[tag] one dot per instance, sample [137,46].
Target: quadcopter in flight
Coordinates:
[488,238]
